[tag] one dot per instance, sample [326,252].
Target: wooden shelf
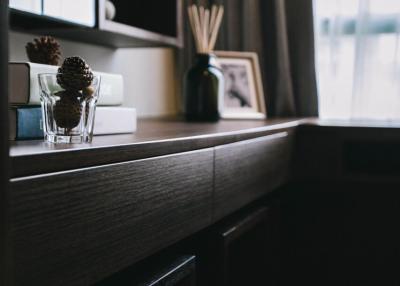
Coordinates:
[153,138]
[106,33]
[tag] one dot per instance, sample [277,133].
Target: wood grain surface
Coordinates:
[153,138]
[78,227]
[247,170]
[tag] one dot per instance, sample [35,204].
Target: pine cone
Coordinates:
[67,111]
[74,74]
[45,50]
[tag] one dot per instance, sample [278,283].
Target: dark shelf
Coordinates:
[23,21]
[153,138]
[140,32]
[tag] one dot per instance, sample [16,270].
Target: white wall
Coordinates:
[149,73]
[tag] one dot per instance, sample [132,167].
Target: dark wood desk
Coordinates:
[81,213]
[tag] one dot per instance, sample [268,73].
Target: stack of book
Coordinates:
[25,111]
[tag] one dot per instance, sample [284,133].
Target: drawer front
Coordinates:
[77,227]
[247,170]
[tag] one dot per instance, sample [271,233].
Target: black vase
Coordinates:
[204,90]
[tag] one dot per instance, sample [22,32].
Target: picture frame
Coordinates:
[244,93]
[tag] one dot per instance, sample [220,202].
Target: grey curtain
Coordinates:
[281,33]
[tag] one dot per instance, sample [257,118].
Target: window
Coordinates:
[358,58]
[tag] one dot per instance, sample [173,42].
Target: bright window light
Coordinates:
[358,58]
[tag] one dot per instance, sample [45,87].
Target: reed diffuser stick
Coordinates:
[205,29]
[197,25]
[214,11]
[193,28]
[216,27]
[202,23]
[201,14]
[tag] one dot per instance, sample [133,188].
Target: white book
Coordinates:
[114,120]
[24,84]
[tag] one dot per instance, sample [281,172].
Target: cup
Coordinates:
[68,115]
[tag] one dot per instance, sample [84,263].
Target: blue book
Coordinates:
[26,123]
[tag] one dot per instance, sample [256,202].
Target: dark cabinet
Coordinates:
[82,215]
[340,234]
[242,251]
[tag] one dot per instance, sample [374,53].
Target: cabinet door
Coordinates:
[242,251]
[78,227]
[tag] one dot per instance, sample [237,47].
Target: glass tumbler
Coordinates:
[68,115]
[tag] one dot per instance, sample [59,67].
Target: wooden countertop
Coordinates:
[155,137]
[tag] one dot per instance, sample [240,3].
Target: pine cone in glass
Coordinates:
[67,111]
[74,74]
[45,50]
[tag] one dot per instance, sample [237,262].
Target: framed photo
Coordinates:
[244,96]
